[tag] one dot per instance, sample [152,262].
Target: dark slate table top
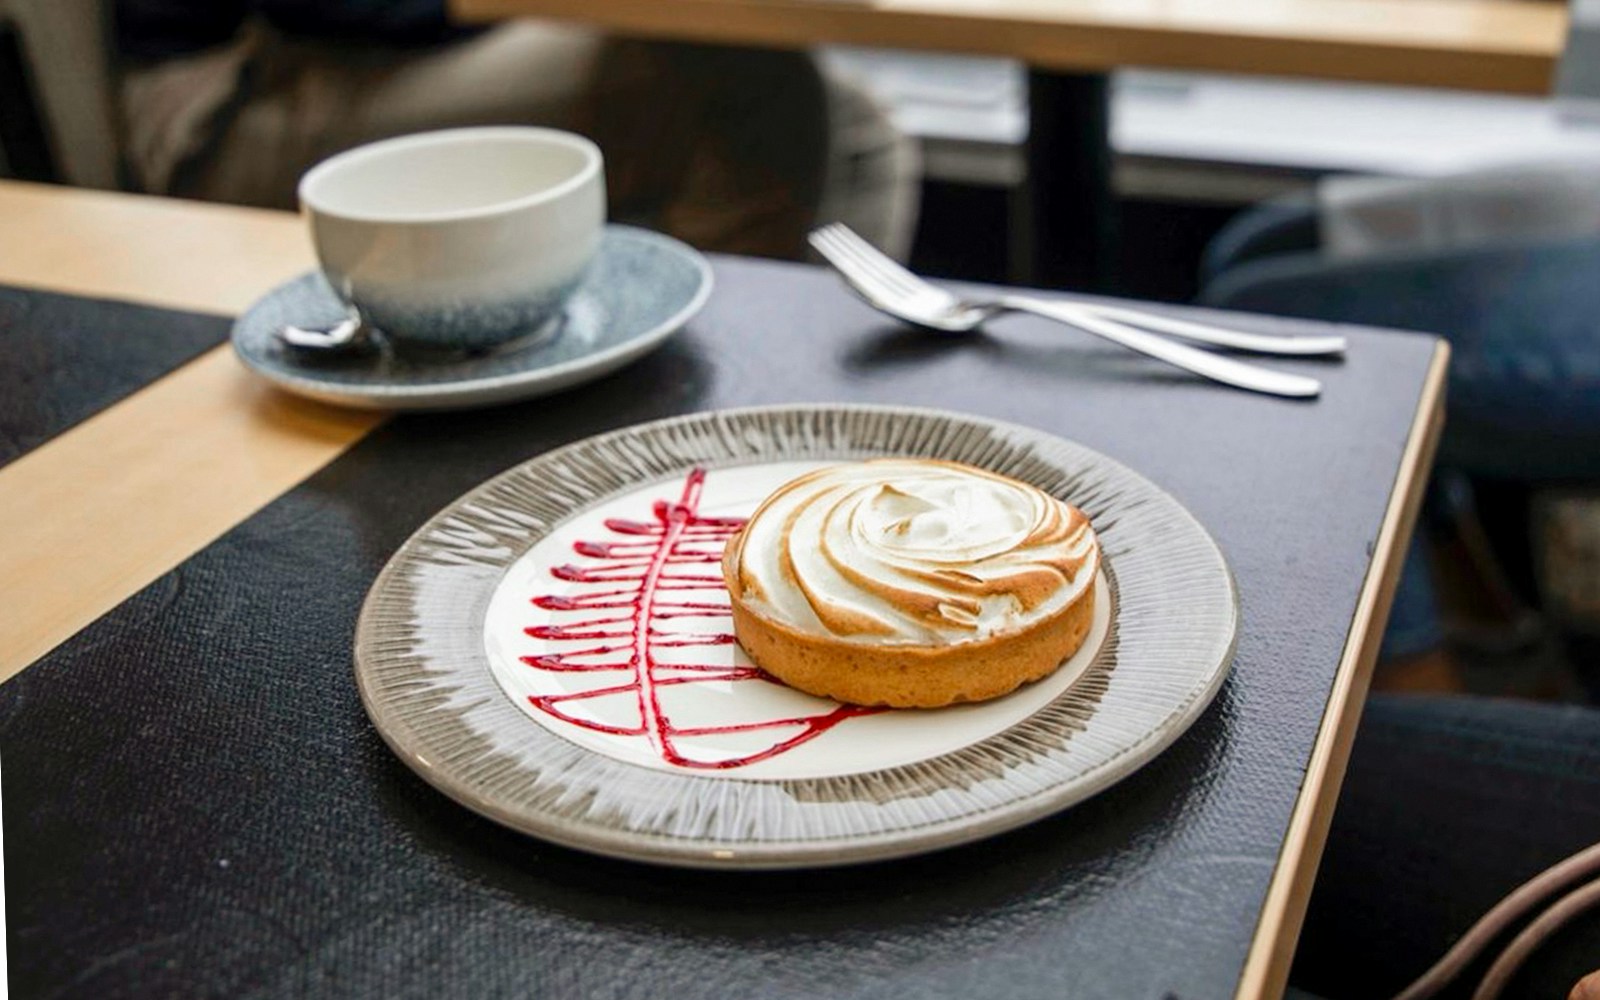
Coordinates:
[195,804]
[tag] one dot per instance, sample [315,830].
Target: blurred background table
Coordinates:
[1497,45]
[1067,227]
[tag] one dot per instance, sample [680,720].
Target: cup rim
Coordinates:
[591,167]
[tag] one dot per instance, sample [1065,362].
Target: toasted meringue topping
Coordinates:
[914,551]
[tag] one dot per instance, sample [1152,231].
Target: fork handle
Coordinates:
[1212,366]
[1317,345]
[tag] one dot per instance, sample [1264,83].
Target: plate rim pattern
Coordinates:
[426,684]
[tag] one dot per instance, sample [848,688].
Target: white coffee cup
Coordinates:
[460,239]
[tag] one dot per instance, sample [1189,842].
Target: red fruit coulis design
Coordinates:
[624,586]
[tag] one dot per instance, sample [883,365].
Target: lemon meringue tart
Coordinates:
[912,583]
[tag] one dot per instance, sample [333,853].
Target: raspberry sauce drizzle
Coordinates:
[620,633]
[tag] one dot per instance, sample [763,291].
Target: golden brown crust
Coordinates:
[905,676]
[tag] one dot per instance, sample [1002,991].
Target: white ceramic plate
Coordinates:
[519,653]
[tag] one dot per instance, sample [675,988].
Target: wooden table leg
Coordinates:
[1072,232]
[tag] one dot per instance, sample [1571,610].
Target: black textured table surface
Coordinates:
[63,358]
[195,804]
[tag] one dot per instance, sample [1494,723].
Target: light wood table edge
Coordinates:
[121,246]
[205,447]
[1266,968]
[1501,46]
[104,508]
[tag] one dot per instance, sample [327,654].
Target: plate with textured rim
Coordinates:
[641,288]
[460,673]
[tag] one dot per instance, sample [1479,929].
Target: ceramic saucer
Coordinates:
[640,289]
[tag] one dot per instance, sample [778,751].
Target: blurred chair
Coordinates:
[64,85]
[103,124]
[1506,266]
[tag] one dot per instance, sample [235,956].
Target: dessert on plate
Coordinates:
[913,583]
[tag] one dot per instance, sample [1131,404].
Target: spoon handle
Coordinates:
[1212,366]
[346,335]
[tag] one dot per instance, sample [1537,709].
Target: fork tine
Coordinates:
[829,243]
[874,260]
[848,267]
[826,240]
[826,244]
[854,239]
[869,260]
[848,262]
[828,234]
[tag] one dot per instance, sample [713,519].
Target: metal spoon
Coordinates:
[344,337]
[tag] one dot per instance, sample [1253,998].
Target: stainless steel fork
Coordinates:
[887,286]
